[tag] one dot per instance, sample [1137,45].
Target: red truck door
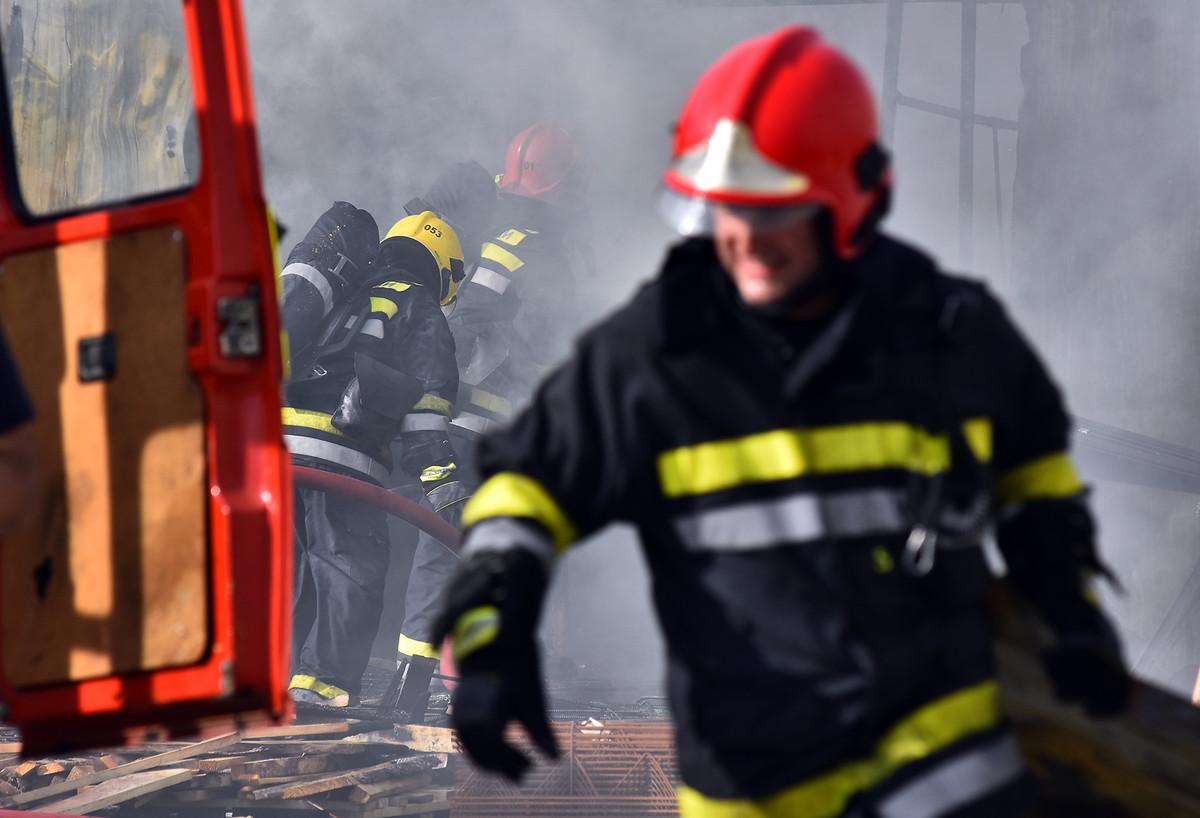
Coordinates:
[137,291]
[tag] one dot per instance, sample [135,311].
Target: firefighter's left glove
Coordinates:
[446,495]
[491,608]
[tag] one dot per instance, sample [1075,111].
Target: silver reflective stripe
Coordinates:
[314,277]
[336,453]
[506,533]
[474,423]
[373,327]
[796,518]
[957,782]
[424,422]
[491,279]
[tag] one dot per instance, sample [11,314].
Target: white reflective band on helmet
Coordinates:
[505,534]
[491,279]
[957,782]
[423,422]
[797,518]
[338,454]
[474,423]
[372,327]
[314,277]
[729,162]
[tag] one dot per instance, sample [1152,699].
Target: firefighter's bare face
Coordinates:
[766,262]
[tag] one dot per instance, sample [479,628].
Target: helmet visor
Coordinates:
[694,215]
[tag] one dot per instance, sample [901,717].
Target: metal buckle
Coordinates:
[920,551]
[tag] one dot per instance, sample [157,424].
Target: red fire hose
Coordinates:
[381,498]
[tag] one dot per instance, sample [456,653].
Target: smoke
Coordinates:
[366,101]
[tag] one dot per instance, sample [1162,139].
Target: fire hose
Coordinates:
[388,501]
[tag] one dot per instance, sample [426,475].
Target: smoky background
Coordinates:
[1080,210]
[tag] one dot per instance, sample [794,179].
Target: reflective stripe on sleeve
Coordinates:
[509,494]
[1052,477]
[492,403]
[432,474]
[489,278]
[782,454]
[934,728]
[509,261]
[415,647]
[314,277]
[384,305]
[337,454]
[309,419]
[424,422]
[512,237]
[957,782]
[432,403]
[395,286]
[796,518]
[372,327]
[505,534]
[474,423]
[326,691]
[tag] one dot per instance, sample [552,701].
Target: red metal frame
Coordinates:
[224,220]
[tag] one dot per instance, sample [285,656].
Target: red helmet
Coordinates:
[539,162]
[782,124]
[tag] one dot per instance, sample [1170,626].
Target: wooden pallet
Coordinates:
[347,768]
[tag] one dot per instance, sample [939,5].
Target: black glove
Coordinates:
[1089,670]
[491,608]
[449,499]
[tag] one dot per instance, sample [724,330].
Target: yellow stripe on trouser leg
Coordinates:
[475,629]
[415,647]
[509,494]
[325,691]
[933,728]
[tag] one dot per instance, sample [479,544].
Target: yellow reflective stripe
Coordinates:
[432,403]
[1052,477]
[384,305]
[929,730]
[309,419]
[494,252]
[398,286]
[325,691]
[431,474]
[509,494]
[475,629]
[512,237]
[493,403]
[415,647]
[782,454]
[978,432]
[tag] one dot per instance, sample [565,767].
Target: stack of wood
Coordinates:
[347,768]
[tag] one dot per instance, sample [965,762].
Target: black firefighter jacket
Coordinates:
[399,348]
[810,502]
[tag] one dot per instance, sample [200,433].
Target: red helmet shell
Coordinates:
[539,161]
[783,120]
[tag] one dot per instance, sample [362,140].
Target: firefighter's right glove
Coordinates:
[1088,669]
[490,608]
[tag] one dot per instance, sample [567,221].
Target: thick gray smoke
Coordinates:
[1084,223]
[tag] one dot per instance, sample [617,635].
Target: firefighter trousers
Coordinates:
[341,563]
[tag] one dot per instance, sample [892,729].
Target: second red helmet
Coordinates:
[539,162]
[781,124]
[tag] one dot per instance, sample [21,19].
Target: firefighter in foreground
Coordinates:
[509,325]
[811,426]
[372,359]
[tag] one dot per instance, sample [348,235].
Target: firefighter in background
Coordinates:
[511,322]
[811,426]
[372,359]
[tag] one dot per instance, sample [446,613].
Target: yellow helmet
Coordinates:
[439,238]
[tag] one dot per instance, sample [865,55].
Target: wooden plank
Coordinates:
[366,775]
[277,767]
[107,762]
[140,765]
[290,730]
[364,793]
[419,737]
[51,768]
[109,793]
[336,747]
[79,771]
